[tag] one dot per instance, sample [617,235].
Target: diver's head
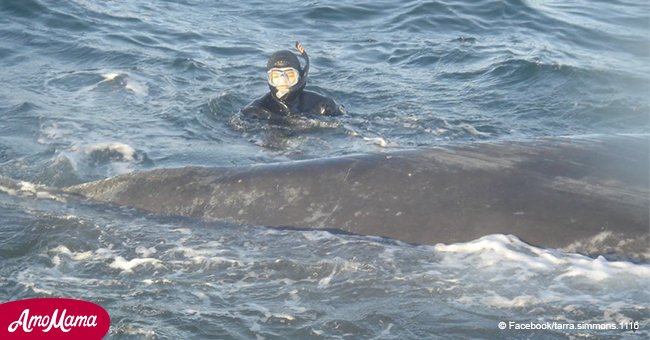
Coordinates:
[285,76]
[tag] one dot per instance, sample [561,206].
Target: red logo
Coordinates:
[53,318]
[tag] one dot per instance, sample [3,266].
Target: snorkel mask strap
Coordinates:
[305,70]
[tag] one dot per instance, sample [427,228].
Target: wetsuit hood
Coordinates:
[282,59]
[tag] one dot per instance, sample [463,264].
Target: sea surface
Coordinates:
[93,89]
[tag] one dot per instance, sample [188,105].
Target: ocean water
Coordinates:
[93,89]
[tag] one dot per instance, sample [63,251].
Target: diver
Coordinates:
[287,96]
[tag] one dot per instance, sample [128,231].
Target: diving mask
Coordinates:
[287,76]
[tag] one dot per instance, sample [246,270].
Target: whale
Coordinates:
[584,194]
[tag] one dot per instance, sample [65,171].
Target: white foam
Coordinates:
[137,87]
[110,76]
[377,141]
[499,301]
[184,231]
[200,295]
[283,316]
[130,329]
[508,256]
[493,273]
[472,130]
[326,280]
[194,252]
[157,281]
[385,332]
[9,191]
[28,189]
[120,156]
[314,235]
[61,253]
[209,253]
[513,271]
[502,247]
[54,131]
[600,269]
[77,256]
[145,252]
[128,266]
[37,290]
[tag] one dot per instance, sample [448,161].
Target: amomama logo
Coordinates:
[53,318]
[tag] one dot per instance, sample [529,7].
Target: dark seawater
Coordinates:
[92,89]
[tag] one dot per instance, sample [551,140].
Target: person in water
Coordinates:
[288,95]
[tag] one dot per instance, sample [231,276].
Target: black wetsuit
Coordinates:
[303,102]
[297,102]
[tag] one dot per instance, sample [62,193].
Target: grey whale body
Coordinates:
[588,194]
